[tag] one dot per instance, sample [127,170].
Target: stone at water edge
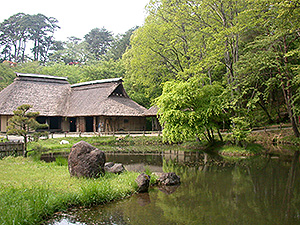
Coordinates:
[143,181]
[169,179]
[86,161]
[111,167]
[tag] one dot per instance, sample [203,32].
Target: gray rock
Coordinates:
[143,181]
[169,179]
[111,167]
[86,161]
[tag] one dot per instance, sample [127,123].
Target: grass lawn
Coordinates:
[31,192]
[104,143]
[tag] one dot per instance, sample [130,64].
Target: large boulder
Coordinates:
[169,179]
[143,182]
[86,161]
[111,167]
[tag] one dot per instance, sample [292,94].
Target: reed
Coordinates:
[31,192]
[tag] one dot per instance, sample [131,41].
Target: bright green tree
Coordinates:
[24,122]
[102,70]
[6,74]
[192,109]
[180,39]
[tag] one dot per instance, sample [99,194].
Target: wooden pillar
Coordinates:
[80,124]
[94,124]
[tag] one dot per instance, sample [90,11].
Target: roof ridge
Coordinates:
[40,76]
[110,80]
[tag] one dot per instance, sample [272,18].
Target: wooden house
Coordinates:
[101,105]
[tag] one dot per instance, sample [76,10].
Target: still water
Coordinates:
[214,190]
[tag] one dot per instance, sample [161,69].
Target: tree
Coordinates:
[120,44]
[19,29]
[14,37]
[6,74]
[41,29]
[192,108]
[23,122]
[72,51]
[272,58]
[98,41]
[183,38]
[102,70]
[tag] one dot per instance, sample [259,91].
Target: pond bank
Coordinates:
[214,190]
[258,142]
[31,192]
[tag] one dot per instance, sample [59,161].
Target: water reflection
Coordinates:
[214,190]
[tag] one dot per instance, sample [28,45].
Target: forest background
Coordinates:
[209,65]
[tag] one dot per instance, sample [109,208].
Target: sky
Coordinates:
[77,18]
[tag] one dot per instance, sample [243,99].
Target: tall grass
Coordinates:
[30,191]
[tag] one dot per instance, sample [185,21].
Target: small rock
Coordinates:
[169,179]
[64,142]
[111,167]
[143,181]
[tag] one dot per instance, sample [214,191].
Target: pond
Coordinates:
[214,190]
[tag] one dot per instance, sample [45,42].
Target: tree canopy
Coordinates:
[18,30]
[250,48]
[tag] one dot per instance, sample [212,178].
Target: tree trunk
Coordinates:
[286,94]
[220,135]
[25,146]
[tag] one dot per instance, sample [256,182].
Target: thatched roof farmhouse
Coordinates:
[101,105]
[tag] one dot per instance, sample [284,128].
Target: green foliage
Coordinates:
[6,75]
[120,44]
[270,61]
[72,72]
[36,150]
[234,150]
[179,40]
[21,28]
[240,130]
[102,70]
[61,161]
[71,52]
[23,122]
[75,73]
[98,42]
[191,108]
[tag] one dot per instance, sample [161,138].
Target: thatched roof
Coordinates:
[47,94]
[152,111]
[54,96]
[103,97]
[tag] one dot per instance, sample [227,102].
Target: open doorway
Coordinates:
[89,124]
[72,122]
[55,123]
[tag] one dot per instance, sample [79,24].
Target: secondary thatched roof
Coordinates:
[152,111]
[103,97]
[54,96]
[47,94]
